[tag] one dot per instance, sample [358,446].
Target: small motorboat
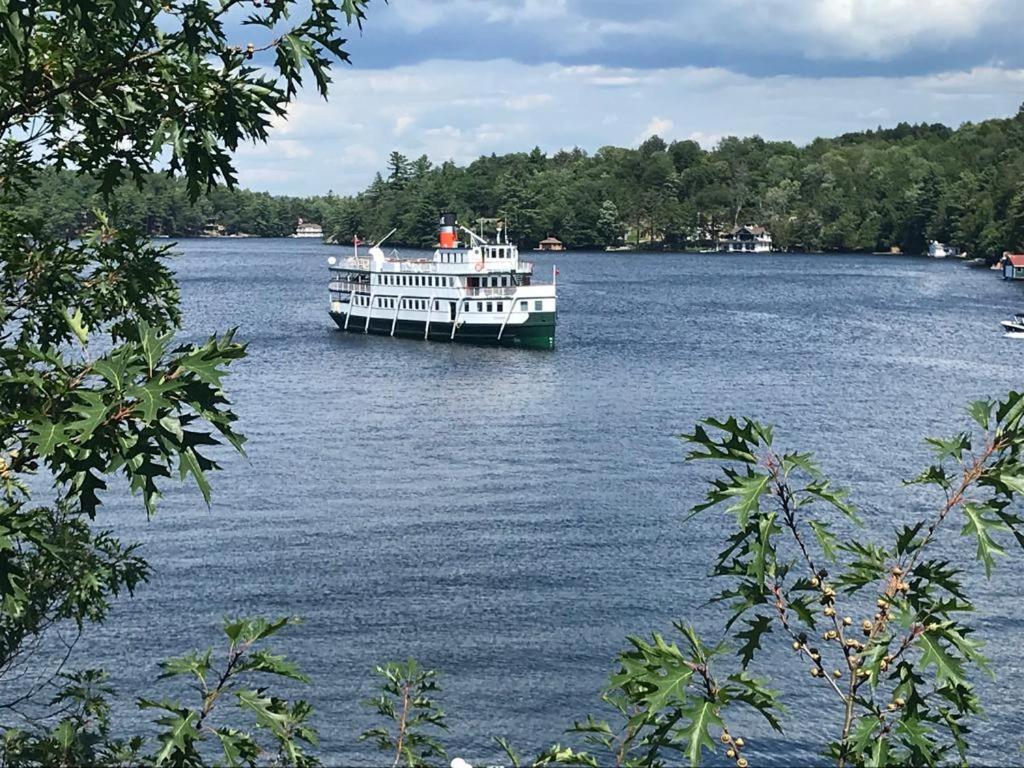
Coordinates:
[937,250]
[1013,329]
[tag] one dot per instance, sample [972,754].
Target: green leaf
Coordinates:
[826,539]
[947,668]
[697,733]
[981,412]
[77,327]
[748,490]
[982,526]
[150,397]
[47,436]
[91,407]
[758,627]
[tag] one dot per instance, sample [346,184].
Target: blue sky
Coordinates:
[454,79]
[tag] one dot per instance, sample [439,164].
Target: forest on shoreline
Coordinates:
[867,191]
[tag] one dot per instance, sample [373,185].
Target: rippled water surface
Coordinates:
[509,516]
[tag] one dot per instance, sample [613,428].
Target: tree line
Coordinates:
[872,190]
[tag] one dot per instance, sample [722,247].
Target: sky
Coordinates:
[454,79]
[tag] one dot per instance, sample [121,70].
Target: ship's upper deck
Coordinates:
[475,260]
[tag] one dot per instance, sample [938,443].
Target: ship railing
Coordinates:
[500,291]
[340,286]
[419,267]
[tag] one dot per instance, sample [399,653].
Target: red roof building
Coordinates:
[1013,266]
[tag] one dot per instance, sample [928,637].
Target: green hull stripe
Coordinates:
[538,332]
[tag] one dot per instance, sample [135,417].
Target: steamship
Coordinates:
[479,292]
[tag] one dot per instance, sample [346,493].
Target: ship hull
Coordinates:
[538,332]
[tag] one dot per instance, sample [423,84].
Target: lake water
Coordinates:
[509,517]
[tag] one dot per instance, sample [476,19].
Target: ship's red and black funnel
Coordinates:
[446,234]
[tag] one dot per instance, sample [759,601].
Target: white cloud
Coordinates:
[824,29]
[402,124]
[659,126]
[447,110]
[528,101]
[706,140]
[877,29]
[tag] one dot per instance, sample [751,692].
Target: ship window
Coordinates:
[437,305]
[500,305]
[538,306]
[490,307]
[524,306]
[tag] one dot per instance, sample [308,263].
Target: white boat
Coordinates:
[481,293]
[308,229]
[1013,329]
[937,250]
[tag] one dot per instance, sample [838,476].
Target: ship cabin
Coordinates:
[745,239]
[1013,266]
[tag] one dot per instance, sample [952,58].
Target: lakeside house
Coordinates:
[1013,266]
[308,229]
[213,229]
[746,239]
[550,244]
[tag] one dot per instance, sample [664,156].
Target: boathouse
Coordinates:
[746,239]
[1013,266]
[550,244]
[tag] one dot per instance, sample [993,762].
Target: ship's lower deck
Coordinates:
[536,332]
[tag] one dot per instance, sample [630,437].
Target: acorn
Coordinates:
[730,753]
[740,742]
[882,604]
[836,674]
[900,702]
[892,707]
[814,581]
[796,645]
[866,625]
[815,672]
[847,621]
[742,763]
[830,611]
[725,737]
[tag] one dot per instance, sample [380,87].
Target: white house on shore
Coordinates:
[307,229]
[745,239]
